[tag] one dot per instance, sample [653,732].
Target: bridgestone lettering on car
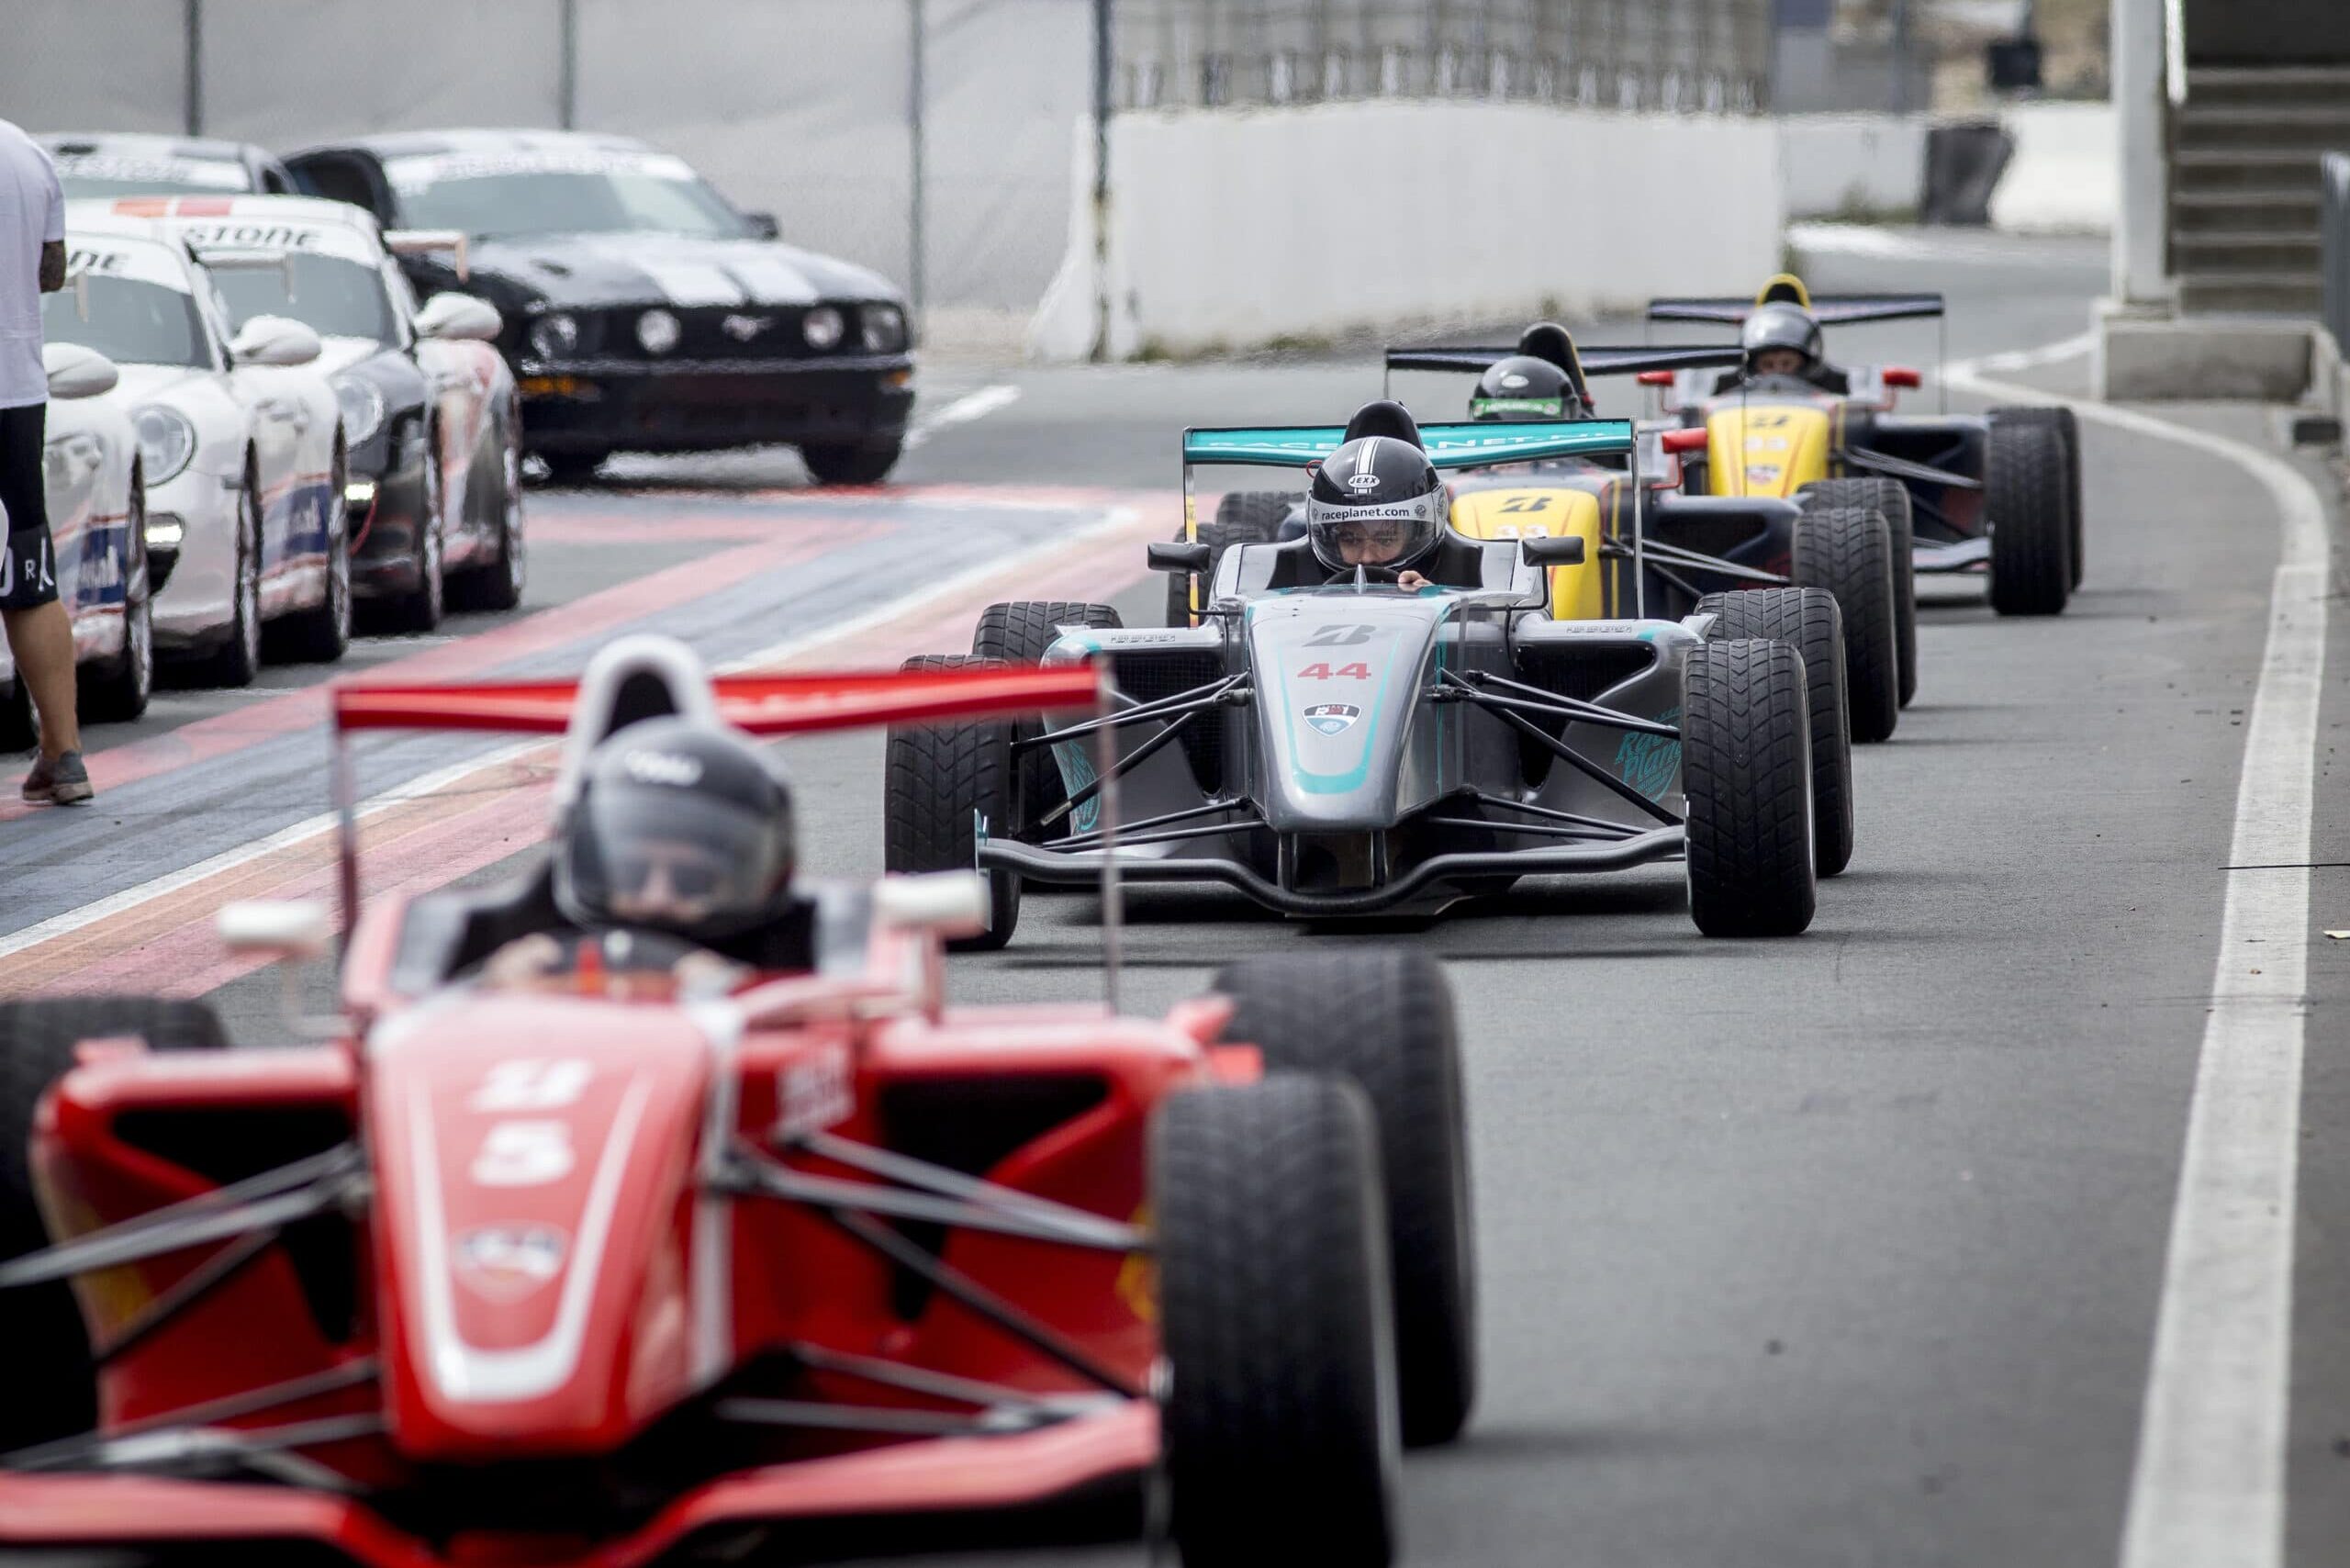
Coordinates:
[1810,620]
[1746,771]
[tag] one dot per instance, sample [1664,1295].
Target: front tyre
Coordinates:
[2067,430]
[419,609]
[1808,620]
[1848,550]
[497,583]
[1384,1020]
[321,634]
[1022,633]
[1746,771]
[940,781]
[1891,499]
[2024,502]
[859,463]
[1280,1413]
[118,691]
[238,660]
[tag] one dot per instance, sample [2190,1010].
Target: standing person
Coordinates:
[40,634]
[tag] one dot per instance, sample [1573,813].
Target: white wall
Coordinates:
[1231,228]
[2066,172]
[1851,165]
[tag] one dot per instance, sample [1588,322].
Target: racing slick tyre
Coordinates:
[1809,619]
[1384,1019]
[117,690]
[238,659]
[418,610]
[853,463]
[52,1380]
[937,779]
[1242,517]
[1022,633]
[1891,498]
[1848,550]
[497,583]
[1746,771]
[2067,427]
[2024,503]
[1280,1403]
[321,634]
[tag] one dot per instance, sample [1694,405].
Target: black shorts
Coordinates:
[28,563]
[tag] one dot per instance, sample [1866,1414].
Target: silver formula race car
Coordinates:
[1350,746]
[240,445]
[430,414]
[96,511]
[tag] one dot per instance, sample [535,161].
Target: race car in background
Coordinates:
[1997,494]
[614,1267]
[241,443]
[430,418]
[96,502]
[1336,749]
[128,163]
[642,311]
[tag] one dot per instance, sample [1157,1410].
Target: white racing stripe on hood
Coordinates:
[691,283]
[772,280]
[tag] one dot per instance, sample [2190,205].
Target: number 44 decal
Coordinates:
[1344,672]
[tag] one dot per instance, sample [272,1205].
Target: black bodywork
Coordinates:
[741,373]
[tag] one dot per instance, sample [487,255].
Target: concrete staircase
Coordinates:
[2244,185]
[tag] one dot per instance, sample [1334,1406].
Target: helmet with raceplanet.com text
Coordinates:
[1376,501]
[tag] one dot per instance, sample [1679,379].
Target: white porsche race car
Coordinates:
[97,521]
[241,442]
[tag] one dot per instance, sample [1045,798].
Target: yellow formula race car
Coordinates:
[1996,496]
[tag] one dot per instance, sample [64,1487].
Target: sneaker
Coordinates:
[65,782]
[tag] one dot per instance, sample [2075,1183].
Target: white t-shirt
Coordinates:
[32,213]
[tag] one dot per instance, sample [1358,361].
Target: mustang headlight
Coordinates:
[657,331]
[822,327]
[555,335]
[884,329]
[166,442]
[361,405]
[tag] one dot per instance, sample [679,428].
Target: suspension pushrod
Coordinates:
[909,1172]
[1124,765]
[1193,701]
[1541,702]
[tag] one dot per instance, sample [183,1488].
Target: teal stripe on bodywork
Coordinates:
[1333,783]
[1447,446]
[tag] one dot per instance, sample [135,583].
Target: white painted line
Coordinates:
[971,406]
[107,908]
[2209,1487]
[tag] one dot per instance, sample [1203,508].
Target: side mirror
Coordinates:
[1179,556]
[273,340]
[1681,443]
[1552,550]
[764,225]
[1654,378]
[1902,376]
[295,929]
[952,903]
[75,371]
[459,317]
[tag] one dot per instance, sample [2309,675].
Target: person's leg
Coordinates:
[40,633]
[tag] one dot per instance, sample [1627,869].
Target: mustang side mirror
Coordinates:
[1552,550]
[764,225]
[1179,556]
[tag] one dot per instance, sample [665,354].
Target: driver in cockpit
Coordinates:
[1376,502]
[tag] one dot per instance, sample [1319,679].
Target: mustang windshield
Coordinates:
[334,297]
[130,322]
[512,197]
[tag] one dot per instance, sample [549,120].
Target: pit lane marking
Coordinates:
[2208,1490]
[971,406]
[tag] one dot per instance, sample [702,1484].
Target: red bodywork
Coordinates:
[545,1287]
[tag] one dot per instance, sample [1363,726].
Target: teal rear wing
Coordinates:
[1447,446]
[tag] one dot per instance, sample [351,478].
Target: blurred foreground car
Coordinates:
[240,445]
[616,1267]
[430,414]
[643,312]
[129,163]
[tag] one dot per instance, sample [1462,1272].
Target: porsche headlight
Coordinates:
[166,442]
[555,335]
[822,327]
[361,405]
[884,329]
[657,331]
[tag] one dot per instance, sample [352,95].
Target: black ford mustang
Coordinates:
[642,311]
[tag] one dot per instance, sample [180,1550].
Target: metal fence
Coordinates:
[2334,239]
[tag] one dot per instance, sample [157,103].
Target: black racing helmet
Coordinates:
[1377,496]
[679,827]
[1524,388]
[1781,324]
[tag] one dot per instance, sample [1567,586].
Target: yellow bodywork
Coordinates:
[1577,593]
[1767,449]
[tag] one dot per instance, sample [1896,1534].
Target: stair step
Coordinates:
[2246,254]
[2315,84]
[2286,217]
[2308,138]
[2205,299]
[2197,172]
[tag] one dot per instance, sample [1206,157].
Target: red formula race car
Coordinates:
[596,1268]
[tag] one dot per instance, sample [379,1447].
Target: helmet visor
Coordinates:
[677,861]
[1391,536]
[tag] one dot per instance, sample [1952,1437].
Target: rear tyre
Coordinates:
[1384,1019]
[52,1383]
[497,583]
[238,660]
[938,779]
[1279,1410]
[321,634]
[854,463]
[1746,770]
[1022,633]
[118,691]
[1891,498]
[1848,550]
[2024,501]
[2068,431]
[1808,620]
[1242,517]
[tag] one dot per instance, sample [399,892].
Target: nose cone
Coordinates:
[1338,679]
